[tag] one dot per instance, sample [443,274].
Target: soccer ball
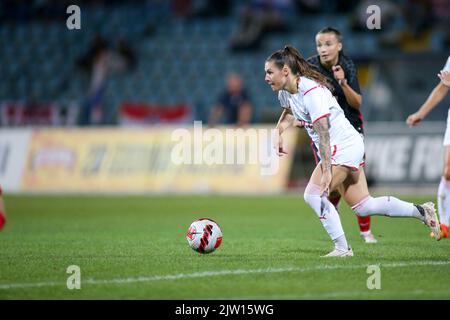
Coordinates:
[204,235]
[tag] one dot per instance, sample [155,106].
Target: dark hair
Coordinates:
[332,30]
[291,57]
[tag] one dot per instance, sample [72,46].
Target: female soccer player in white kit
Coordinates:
[342,75]
[436,96]
[304,96]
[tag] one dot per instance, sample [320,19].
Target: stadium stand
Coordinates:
[180,58]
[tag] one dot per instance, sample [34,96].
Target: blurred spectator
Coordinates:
[441,12]
[94,107]
[100,61]
[234,103]
[96,61]
[419,16]
[124,58]
[420,22]
[258,19]
[408,25]
[86,61]
[416,32]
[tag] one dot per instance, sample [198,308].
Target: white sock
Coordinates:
[327,214]
[443,201]
[387,206]
[341,243]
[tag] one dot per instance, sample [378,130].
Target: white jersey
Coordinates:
[313,102]
[447,65]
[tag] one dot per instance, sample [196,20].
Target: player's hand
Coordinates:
[445,77]
[279,147]
[325,182]
[413,119]
[299,123]
[339,75]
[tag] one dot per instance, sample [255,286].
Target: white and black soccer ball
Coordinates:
[204,235]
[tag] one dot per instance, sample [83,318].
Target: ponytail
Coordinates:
[291,57]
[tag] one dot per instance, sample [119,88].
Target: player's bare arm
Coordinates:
[436,96]
[285,121]
[353,98]
[322,128]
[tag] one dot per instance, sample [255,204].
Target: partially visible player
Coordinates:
[342,74]
[436,96]
[304,96]
[2,210]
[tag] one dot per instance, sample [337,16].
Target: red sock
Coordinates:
[2,220]
[364,223]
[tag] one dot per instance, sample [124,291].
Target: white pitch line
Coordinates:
[205,274]
[336,294]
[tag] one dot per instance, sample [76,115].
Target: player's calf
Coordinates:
[328,217]
[393,207]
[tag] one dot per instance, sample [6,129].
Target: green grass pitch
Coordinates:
[134,247]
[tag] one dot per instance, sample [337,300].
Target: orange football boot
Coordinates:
[444,231]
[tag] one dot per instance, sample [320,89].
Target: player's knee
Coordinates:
[363,208]
[310,198]
[361,212]
[312,192]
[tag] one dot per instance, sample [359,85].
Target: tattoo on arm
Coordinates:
[322,129]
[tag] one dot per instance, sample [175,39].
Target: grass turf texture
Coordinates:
[276,242]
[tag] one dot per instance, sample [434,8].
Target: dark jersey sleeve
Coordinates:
[351,75]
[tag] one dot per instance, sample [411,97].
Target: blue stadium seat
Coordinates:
[185,60]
